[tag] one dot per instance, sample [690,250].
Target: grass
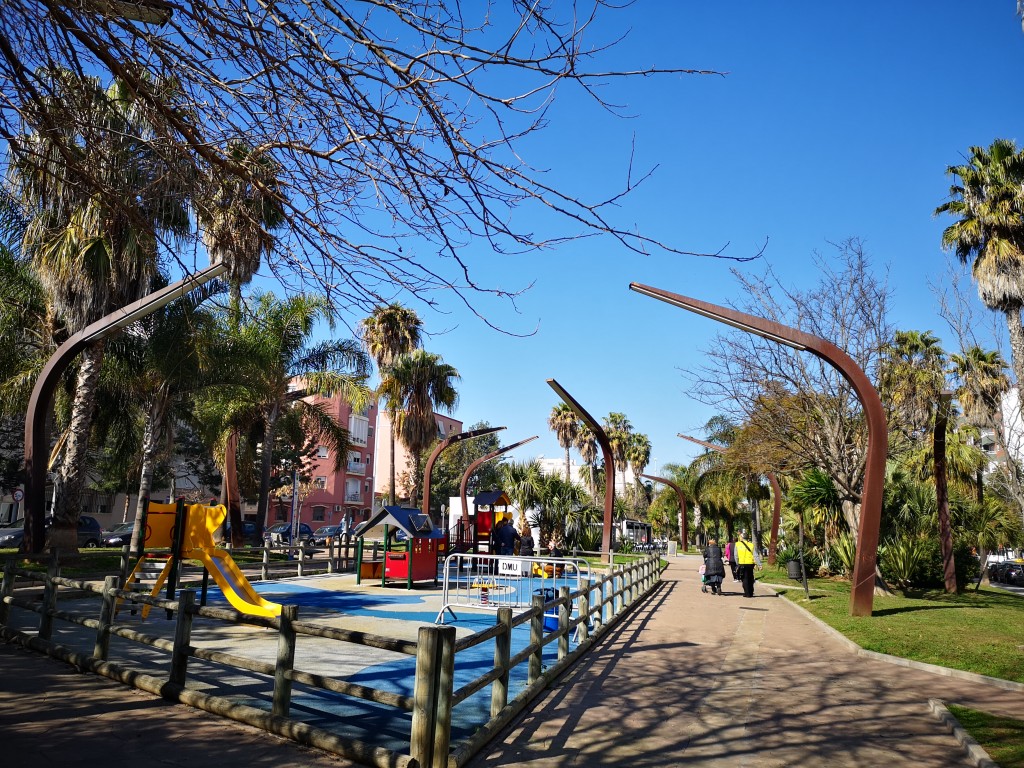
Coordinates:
[973,631]
[1001,737]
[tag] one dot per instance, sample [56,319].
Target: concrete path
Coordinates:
[698,680]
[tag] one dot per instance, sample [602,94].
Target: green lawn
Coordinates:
[979,632]
[1001,737]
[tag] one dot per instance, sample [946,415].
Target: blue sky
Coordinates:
[835,120]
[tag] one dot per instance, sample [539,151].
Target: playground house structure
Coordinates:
[188,533]
[486,510]
[412,546]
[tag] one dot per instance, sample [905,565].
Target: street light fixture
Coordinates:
[863,588]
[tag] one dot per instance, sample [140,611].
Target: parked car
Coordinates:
[249,533]
[119,537]
[323,535]
[89,533]
[1013,573]
[280,533]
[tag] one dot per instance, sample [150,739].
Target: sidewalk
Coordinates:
[698,680]
[687,679]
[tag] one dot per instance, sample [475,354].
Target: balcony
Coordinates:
[353,498]
[356,468]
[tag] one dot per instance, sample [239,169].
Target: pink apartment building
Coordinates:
[348,493]
[446,426]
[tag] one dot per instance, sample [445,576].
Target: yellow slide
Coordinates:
[233,584]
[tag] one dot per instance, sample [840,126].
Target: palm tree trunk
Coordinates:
[231,494]
[391,448]
[568,464]
[266,466]
[150,439]
[70,480]
[1016,331]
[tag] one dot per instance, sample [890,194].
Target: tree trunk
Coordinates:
[568,465]
[1016,332]
[942,493]
[150,440]
[231,493]
[70,479]
[266,466]
[391,447]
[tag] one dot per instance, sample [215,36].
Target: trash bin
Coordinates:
[793,569]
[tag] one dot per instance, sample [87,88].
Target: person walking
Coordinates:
[746,555]
[714,568]
[730,557]
[506,536]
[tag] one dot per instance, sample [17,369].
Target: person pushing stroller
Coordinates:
[714,568]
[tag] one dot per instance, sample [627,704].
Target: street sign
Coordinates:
[18,494]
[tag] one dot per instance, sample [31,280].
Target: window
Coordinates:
[322,452]
[280,516]
[320,481]
[318,514]
[369,431]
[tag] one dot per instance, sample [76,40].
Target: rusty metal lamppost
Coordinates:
[472,468]
[37,437]
[682,507]
[862,592]
[457,437]
[609,466]
[773,538]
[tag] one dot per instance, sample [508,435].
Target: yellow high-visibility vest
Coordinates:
[744,552]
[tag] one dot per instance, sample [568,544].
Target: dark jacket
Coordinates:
[713,565]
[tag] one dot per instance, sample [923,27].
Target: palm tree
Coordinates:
[989,233]
[566,426]
[912,374]
[414,386]
[638,454]
[277,369]
[982,381]
[586,444]
[91,257]
[524,482]
[389,332]
[618,429]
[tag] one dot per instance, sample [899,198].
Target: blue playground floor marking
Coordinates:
[387,726]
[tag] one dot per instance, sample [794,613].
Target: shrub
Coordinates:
[844,553]
[930,571]
[901,559]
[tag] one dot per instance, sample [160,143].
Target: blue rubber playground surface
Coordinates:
[379,724]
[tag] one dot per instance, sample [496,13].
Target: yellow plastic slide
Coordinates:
[233,584]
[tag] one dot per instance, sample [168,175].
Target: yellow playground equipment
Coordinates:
[193,528]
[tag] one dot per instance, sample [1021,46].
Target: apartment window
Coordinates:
[369,431]
[322,452]
[320,481]
[319,514]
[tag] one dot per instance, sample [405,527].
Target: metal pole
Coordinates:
[437,452]
[472,468]
[682,508]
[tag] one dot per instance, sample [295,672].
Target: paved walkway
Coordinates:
[688,679]
[698,680]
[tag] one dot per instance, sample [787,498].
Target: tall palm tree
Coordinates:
[566,426]
[638,454]
[981,383]
[523,482]
[91,257]
[390,331]
[414,387]
[618,429]
[988,202]
[277,368]
[912,374]
[586,444]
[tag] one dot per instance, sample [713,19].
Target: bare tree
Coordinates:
[397,125]
[799,412]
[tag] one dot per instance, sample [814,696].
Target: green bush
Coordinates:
[901,560]
[844,554]
[930,572]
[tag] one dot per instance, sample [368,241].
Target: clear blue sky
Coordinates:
[835,120]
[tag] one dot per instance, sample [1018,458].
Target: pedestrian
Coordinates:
[746,556]
[714,568]
[730,557]
[526,543]
[506,536]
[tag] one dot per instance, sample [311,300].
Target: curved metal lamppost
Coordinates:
[472,468]
[683,532]
[862,593]
[37,436]
[773,538]
[457,437]
[609,466]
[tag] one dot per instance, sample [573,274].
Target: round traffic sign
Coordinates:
[18,494]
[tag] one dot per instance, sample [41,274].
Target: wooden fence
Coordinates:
[599,605]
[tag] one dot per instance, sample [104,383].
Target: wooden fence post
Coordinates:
[49,596]
[125,560]
[102,646]
[6,590]
[607,587]
[265,568]
[583,608]
[182,636]
[502,653]
[432,695]
[285,661]
[563,622]
[330,553]
[536,639]
[617,591]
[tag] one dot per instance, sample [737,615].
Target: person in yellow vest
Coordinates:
[746,555]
